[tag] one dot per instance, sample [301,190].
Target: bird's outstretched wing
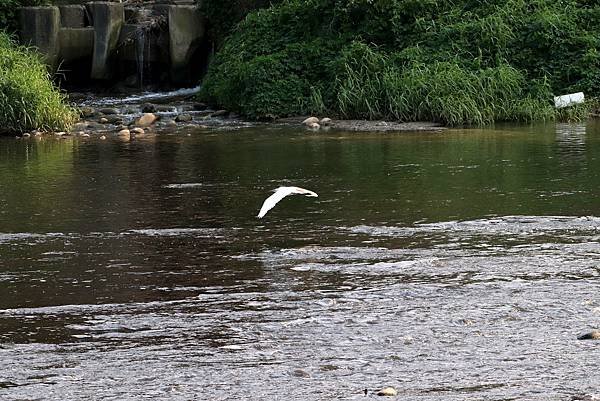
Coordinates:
[279,194]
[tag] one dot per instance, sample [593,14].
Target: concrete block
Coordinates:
[39,28]
[186,32]
[73,16]
[76,43]
[107,18]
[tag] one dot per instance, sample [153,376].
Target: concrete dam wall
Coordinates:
[132,43]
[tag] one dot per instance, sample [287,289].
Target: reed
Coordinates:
[374,86]
[28,99]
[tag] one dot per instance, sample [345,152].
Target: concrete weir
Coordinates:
[129,42]
[40,29]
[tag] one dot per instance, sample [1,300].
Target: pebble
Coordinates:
[103,120]
[59,133]
[103,137]
[26,135]
[138,131]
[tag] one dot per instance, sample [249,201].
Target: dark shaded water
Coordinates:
[452,266]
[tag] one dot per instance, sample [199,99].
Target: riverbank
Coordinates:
[457,63]
[28,98]
[132,116]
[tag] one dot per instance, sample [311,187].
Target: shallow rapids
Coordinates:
[458,265]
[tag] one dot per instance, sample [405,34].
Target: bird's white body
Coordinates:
[281,193]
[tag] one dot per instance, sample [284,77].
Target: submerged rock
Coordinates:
[325,122]
[138,131]
[148,108]
[313,126]
[387,392]
[592,335]
[219,113]
[86,112]
[79,126]
[109,110]
[183,117]
[114,119]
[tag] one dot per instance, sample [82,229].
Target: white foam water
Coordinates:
[142,97]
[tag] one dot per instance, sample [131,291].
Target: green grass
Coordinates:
[28,99]
[459,62]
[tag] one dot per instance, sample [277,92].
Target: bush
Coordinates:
[28,99]
[458,62]
[223,16]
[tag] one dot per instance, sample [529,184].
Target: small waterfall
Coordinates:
[140,54]
[145,22]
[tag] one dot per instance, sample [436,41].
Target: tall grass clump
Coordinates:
[373,85]
[452,61]
[28,99]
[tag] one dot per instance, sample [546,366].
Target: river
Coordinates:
[457,265]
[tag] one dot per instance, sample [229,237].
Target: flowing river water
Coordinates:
[458,265]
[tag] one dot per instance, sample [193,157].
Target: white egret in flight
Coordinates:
[279,194]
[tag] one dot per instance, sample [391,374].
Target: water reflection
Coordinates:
[457,265]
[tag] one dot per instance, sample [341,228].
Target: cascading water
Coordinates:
[145,23]
[140,53]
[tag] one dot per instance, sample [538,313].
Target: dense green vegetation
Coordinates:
[453,61]
[9,12]
[28,99]
[222,16]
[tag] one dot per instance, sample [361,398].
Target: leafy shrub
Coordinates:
[454,61]
[9,12]
[28,99]
[223,16]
